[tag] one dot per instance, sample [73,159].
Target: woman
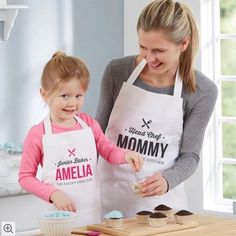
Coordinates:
[157,104]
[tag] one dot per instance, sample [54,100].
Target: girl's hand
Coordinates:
[134,160]
[62,202]
[154,185]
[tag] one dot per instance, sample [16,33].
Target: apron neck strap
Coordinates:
[81,122]
[48,127]
[178,81]
[136,71]
[178,85]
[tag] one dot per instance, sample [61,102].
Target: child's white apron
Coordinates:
[151,124]
[70,163]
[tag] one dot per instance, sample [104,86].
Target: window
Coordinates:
[219,62]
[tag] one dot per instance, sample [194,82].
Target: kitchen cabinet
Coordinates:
[8,15]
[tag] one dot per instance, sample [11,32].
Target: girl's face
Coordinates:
[162,55]
[67,101]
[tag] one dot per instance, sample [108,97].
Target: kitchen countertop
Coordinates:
[209,225]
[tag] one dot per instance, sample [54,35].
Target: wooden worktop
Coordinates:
[208,225]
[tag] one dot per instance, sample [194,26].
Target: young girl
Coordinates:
[66,144]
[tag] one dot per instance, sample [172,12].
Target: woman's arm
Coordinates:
[116,72]
[197,115]
[106,98]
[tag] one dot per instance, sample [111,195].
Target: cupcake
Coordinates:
[142,217]
[183,217]
[114,219]
[157,219]
[165,210]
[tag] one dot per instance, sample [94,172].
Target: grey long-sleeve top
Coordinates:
[197,109]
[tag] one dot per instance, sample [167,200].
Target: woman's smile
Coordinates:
[155,65]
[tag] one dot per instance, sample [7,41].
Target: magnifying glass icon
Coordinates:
[8,228]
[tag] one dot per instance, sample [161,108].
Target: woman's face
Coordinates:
[162,55]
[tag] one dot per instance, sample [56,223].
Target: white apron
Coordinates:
[150,124]
[70,164]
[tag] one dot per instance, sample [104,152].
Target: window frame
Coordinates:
[212,150]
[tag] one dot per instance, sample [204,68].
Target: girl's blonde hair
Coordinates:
[62,68]
[177,20]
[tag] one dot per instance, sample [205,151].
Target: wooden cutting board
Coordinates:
[208,225]
[132,228]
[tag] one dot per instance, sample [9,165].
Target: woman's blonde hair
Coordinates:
[62,68]
[177,20]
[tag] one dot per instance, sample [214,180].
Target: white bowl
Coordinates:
[56,223]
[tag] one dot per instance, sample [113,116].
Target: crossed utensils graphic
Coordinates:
[146,123]
[71,152]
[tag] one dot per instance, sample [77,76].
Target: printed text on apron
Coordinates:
[70,165]
[150,124]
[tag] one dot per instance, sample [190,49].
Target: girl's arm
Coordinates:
[109,151]
[32,157]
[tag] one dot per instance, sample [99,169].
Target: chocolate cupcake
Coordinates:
[157,219]
[165,210]
[183,217]
[142,217]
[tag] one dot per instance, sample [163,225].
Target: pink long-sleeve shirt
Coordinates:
[33,154]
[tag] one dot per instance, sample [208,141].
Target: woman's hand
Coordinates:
[134,160]
[154,185]
[62,202]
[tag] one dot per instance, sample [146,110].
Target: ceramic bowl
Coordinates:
[57,223]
